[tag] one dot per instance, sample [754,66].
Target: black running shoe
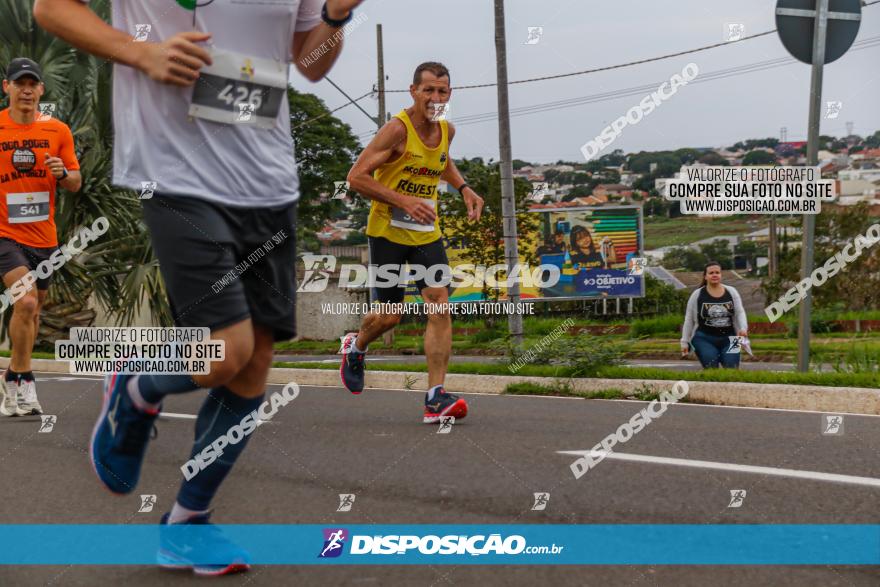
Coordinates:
[444,404]
[352,368]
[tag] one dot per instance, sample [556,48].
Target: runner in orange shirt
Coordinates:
[36,156]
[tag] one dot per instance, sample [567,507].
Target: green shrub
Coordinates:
[485,335]
[670,323]
[583,355]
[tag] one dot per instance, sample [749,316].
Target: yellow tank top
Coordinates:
[416,173]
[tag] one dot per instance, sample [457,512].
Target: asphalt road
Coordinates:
[486,470]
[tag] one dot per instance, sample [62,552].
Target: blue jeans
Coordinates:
[712,351]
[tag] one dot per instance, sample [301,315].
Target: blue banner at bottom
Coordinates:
[513,544]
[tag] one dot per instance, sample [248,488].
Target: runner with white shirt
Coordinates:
[200,108]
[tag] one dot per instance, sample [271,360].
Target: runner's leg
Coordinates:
[383,253]
[438,335]
[22,330]
[224,408]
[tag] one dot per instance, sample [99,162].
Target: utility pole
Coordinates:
[388,337]
[773,252]
[508,204]
[380,120]
[831,34]
[809,223]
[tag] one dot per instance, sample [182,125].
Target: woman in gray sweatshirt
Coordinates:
[715,316]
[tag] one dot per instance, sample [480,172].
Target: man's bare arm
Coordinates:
[453,176]
[381,150]
[174,61]
[72,182]
[304,43]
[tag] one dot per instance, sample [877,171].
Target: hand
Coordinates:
[473,202]
[55,165]
[742,333]
[685,351]
[612,254]
[175,61]
[420,209]
[339,9]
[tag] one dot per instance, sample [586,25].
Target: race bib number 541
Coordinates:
[237,89]
[29,207]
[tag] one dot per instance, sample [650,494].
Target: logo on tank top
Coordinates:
[247,70]
[23,159]
[717,315]
[443,157]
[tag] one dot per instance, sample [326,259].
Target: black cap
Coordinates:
[22,66]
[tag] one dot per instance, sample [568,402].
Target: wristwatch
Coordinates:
[333,22]
[64,175]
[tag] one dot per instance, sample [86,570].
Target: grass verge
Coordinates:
[870,380]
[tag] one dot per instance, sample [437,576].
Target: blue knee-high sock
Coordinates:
[221,411]
[155,387]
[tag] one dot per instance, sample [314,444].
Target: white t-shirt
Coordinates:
[155,139]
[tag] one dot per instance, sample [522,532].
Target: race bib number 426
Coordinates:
[237,89]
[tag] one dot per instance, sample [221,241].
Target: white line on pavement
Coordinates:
[793,473]
[171,415]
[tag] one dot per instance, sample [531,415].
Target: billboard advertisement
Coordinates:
[591,248]
[594,249]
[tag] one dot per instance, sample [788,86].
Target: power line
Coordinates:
[622,93]
[329,112]
[582,72]
[610,67]
[626,92]
[350,99]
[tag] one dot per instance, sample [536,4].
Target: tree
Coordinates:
[119,268]
[750,144]
[551,176]
[687,156]
[325,151]
[713,158]
[667,162]
[684,258]
[718,250]
[759,157]
[750,250]
[484,239]
[579,191]
[519,164]
[613,159]
[656,207]
[873,141]
[857,285]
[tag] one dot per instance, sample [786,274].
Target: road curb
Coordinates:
[853,400]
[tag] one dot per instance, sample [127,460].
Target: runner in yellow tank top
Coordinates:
[399,172]
[415,173]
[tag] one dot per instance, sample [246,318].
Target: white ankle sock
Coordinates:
[181,514]
[136,397]
[354,346]
[432,391]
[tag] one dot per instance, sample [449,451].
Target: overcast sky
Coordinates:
[580,35]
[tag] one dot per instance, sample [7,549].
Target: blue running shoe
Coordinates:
[199,545]
[444,404]
[120,437]
[352,368]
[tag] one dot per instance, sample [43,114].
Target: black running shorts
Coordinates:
[385,252]
[13,254]
[222,265]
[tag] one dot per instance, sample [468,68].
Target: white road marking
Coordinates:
[730,467]
[171,415]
